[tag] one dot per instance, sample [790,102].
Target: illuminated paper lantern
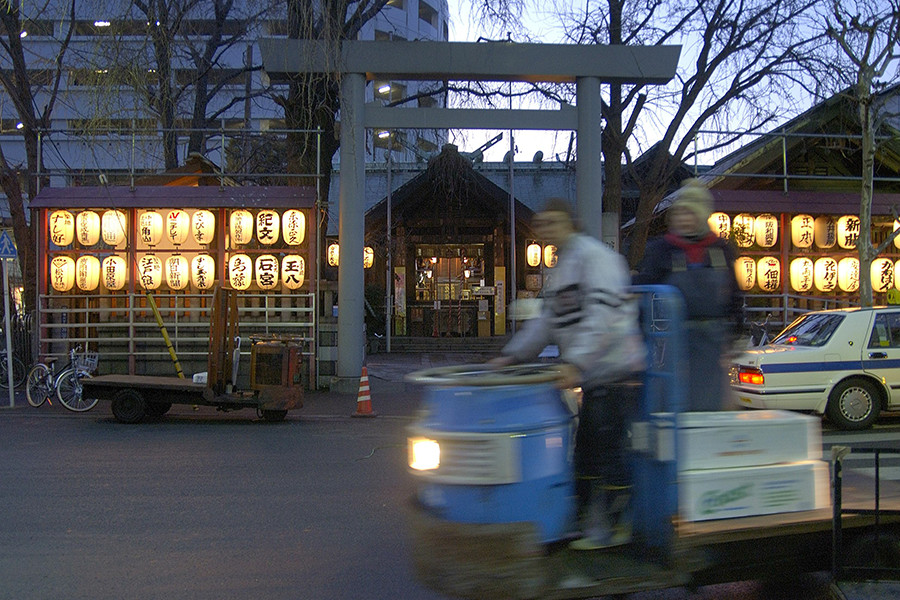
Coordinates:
[848,273]
[848,232]
[533,255]
[293,225]
[826,232]
[114,270]
[241,227]
[87,227]
[150,228]
[334,252]
[203,226]
[766,230]
[178,225]
[177,273]
[550,257]
[203,271]
[882,274]
[768,274]
[803,231]
[742,230]
[802,274]
[720,224]
[112,226]
[293,271]
[267,224]
[266,272]
[240,271]
[368,257]
[62,227]
[149,271]
[87,273]
[897,279]
[897,239]
[745,273]
[825,274]
[62,273]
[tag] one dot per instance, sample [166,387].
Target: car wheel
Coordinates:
[854,404]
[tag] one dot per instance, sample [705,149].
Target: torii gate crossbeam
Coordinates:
[356,61]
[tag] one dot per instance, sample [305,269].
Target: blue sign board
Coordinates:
[7,248]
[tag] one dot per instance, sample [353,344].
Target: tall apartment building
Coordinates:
[102,128]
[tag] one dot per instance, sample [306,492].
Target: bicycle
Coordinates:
[44,381]
[19,371]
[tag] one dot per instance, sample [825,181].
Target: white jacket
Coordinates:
[588,313]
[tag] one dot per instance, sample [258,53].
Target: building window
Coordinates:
[389,90]
[38,27]
[388,36]
[383,138]
[428,14]
[184,77]
[401,4]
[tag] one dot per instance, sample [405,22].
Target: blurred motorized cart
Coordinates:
[275,385]
[717,497]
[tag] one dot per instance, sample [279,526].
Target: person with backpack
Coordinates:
[588,312]
[701,265]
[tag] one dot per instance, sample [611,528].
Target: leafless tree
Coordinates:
[867,35]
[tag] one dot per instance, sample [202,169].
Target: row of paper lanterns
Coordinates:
[824,231]
[333,255]
[88,227]
[826,274]
[88,272]
[534,254]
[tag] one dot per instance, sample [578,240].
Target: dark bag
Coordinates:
[706,289]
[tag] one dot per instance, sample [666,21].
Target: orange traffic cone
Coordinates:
[363,400]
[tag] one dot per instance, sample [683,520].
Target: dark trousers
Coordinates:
[601,440]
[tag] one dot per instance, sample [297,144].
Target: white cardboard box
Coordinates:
[716,440]
[707,494]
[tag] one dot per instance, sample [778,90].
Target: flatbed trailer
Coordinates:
[275,385]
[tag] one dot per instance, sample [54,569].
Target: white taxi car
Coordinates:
[844,363]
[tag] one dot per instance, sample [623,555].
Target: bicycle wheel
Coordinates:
[19,373]
[69,390]
[37,385]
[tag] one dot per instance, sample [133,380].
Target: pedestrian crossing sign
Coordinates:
[7,248]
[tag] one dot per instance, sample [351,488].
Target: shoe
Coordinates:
[587,543]
[620,536]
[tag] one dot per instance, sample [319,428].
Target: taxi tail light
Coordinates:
[751,376]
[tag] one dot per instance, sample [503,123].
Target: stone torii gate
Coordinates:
[355,62]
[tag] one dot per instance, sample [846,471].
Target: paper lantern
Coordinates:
[203,226]
[112,226]
[62,227]
[149,271]
[368,257]
[533,255]
[720,224]
[766,230]
[825,274]
[897,279]
[177,272]
[745,273]
[62,273]
[848,273]
[334,252]
[848,231]
[293,225]
[550,257]
[768,274]
[803,231]
[267,227]
[802,273]
[266,272]
[150,228]
[87,273]
[241,227]
[239,271]
[742,230]
[178,225]
[114,270]
[87,227]
[897,239]
[882,274]
[203,271]
[293,270]
[826,232]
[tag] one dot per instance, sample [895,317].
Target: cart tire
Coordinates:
[158,409]
[273,416]
[871,551]
[128,406]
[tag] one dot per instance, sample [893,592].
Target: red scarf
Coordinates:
[694,250]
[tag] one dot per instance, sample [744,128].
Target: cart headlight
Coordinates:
[424,454]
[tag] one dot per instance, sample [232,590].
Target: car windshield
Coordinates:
[813,329]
